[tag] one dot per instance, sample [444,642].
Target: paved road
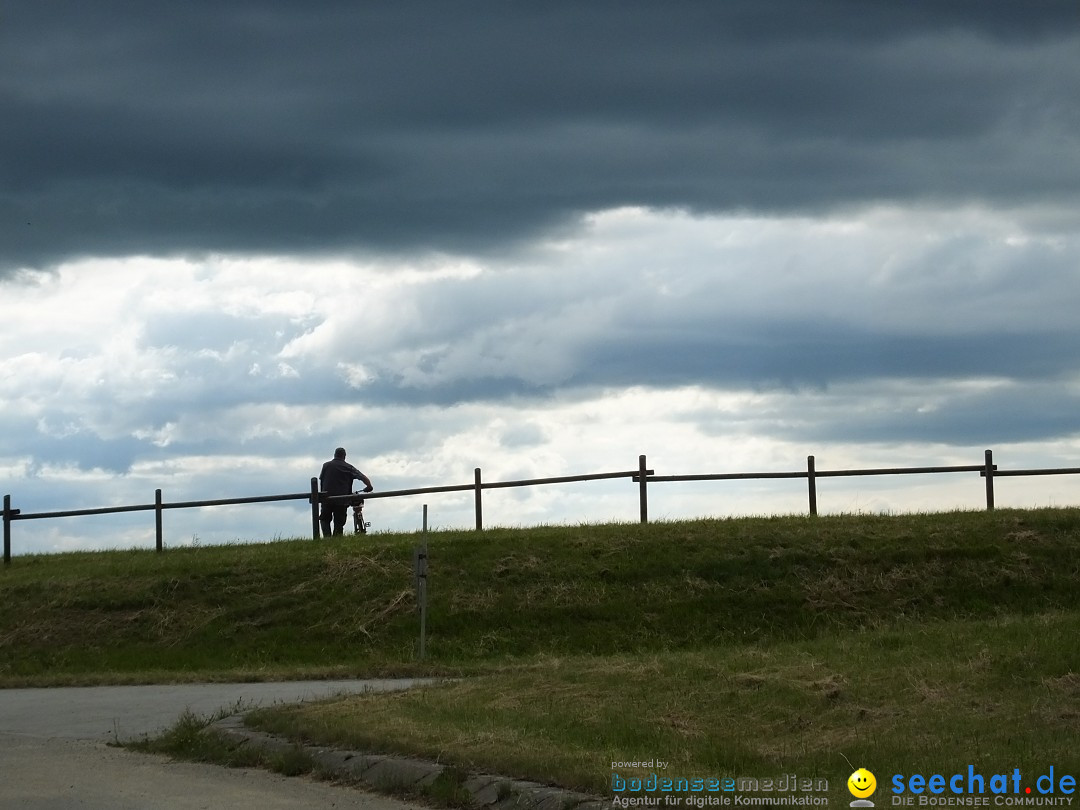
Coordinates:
[54,752]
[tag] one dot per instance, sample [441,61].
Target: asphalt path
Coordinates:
[55,750]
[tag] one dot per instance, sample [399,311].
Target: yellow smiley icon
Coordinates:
[861,783]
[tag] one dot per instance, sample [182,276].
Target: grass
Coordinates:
[741,647]
[187,739]
[996,693]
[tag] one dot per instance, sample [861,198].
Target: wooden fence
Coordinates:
[642,476]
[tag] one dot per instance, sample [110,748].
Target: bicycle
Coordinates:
[360,526]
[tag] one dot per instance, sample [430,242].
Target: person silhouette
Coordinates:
[336,478]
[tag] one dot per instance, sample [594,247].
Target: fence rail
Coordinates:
[642,476]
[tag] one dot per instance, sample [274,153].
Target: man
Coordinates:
[336,479]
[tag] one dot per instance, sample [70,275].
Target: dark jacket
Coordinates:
[337,476]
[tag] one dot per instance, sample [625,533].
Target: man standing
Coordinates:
[336,479]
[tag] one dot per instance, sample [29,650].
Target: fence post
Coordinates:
[420,568]
[989,473]
[314,499]
[479,501]
[643,489]
[157,519]
[7,529]
[811,483]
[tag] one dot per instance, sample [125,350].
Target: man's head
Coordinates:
[339,453]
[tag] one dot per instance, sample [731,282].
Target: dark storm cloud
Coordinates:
[767,356]
[280,127]
[56,443]
[921,411]
[817,354]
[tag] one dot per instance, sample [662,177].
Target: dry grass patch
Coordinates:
[906,699]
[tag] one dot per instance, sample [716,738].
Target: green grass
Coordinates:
[996,693]
[728,647]
[347,606]
[187,740]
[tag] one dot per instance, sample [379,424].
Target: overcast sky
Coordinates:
[536,238]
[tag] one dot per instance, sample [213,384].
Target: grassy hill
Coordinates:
[744,647]
[347,605]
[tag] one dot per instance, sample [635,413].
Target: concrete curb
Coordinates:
[388,773]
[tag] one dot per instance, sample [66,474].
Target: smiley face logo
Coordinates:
[861,783]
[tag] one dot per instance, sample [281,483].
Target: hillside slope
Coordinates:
[347,605]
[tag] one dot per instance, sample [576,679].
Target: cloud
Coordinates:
[538,240]
[731,303]
[335,128]
[231,356]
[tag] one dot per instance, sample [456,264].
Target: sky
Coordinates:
[541,239]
